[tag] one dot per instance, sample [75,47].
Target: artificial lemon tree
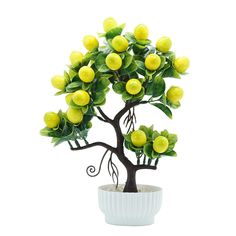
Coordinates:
[130,66]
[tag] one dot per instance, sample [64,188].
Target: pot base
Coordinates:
[129,209]
[131,222]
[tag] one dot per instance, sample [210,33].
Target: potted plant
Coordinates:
[131,67]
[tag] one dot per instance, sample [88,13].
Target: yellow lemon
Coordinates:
[90,42]
[113,61]
[160,144]
[75,116]
[133,86]
[181,64]
[141,32]
[109,23]
[68,98]
[86,74]
[76,58]
[174,94]
[152,62]
[58,82]
[51,119]
[163,44]
[138,138]
[81,98]
[120,43]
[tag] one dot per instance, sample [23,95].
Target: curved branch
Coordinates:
[105,145]
[127,106]
[100,118]
[104,115]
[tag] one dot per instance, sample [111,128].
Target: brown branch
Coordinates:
[104,115]
[105,145]
[127,106]
[144,167]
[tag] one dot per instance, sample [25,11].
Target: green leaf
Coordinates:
[72,73]
[84,109]
[114,32]
[67,77]
[165,133]
[171,153]
[100,63]
[106,76]
[163,108]
[126,96]
[172,73]
[86,86]
[174,105]
[100,35]
[147,149]
[127,60]
[144,42]
[163,62]
[131,68]
[147,130]
[156,87]
[155,154]
[45,131]
[89,56]
[130,37]
[141,67]
[155,134]
[127,137]
[140,95]
[74,86]
[119,87]
[101,84]
[99,98]
[59,93]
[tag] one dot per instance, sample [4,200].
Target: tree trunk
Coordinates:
[131,185]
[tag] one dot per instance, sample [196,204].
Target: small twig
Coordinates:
[70,144]
[100,118]
[156,162]
[77,143]
[144,160]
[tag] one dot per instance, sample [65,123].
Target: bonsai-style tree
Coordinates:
[129,65]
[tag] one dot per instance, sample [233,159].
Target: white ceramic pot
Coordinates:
[129,208]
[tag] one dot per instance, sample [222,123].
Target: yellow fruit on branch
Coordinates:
[133,86]
[86,74]
[163,44]
[181,64]
[90,42]
[138,138]
[120,43]
[152,62]
[113,61]
[59,82]
[51,119]
[68,98]
[141,32]
[75,116]
[160,144]
[76,58]
[109,23]
[174,94]
[81,98]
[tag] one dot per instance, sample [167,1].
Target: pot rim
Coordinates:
[153,188]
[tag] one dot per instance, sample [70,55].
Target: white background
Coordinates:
[45,190]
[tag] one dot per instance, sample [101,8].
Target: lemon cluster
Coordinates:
[135,68]
[139,139]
